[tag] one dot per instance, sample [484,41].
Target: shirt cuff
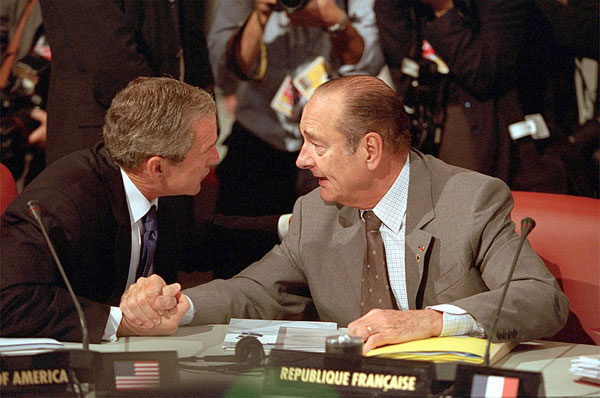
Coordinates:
[458,322]
[189,315]
[283,225]
[114,320]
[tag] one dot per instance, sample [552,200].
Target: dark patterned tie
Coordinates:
[376,292]
[148,243]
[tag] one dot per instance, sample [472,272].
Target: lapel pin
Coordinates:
[421,248]
[418,257]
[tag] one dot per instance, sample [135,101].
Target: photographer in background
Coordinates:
[24,81]
[267,45]
[494,105]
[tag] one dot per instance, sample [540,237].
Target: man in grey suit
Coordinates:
[447,235]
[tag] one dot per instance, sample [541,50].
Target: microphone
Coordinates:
[36,212]
[527,225]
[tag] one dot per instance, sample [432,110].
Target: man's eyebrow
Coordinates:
[310,136]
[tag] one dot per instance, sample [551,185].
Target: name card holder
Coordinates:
[480,381]
[108,374]
[45,374]
[318,374]
[136,373]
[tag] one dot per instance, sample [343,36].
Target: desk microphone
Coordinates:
[527,225]
[36,212]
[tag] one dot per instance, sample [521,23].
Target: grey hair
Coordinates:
[368,105]
[154,116]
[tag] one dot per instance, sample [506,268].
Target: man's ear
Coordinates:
[156,166]
[372,144]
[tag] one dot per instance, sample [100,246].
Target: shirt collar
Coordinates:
[391,209]
[136,201]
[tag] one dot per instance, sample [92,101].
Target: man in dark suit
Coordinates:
[445,239]
[160,139]
[501,66]
[100,46]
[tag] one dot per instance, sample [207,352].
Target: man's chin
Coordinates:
[327,196]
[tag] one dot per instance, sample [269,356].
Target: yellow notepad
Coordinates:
[445,349]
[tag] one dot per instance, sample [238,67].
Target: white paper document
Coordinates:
[28,346]
[266,331]
[307,340]
[586,368]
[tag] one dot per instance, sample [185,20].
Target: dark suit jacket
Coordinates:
[84,208]
[99,46]
[502,66]
[460,219]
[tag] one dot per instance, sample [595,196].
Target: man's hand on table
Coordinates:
[151,307]
[380,327]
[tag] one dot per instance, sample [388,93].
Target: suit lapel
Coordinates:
[351,239]
[419,212]
[113,180]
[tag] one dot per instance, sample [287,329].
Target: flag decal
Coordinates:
[494,386]
[136,374]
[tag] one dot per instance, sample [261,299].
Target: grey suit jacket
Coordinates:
[460,242]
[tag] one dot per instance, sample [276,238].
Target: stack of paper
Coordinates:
[306,340]
[266,331]
[29,346]
[445,349]
[586,369]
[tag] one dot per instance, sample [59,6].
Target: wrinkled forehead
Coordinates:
[324,107]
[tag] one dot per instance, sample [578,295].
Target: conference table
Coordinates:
[552,359]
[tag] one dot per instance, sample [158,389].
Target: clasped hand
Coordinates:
[381,327]
[151,307]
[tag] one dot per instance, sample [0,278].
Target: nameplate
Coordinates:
[480,381]
[43,374]
[319,374]
[136,373]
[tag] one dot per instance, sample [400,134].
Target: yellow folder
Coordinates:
[445,349]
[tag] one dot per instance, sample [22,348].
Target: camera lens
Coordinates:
[291,5]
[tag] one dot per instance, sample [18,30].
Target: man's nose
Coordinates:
[304,160]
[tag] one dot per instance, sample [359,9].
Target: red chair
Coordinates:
[8,188]
[567,238]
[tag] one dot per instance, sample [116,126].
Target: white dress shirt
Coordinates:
[138,206]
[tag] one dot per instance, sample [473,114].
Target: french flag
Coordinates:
[494,386]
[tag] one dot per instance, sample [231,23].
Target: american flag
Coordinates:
[136,374]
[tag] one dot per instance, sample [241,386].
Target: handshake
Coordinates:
[151,307]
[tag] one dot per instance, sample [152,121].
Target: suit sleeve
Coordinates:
[273,288]
[534,306]
[484,50]
[229,17]
[33,299]
[363,17]
[398,38]
[112,48]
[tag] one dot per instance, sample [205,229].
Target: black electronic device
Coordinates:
[290,6]
[249,351]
